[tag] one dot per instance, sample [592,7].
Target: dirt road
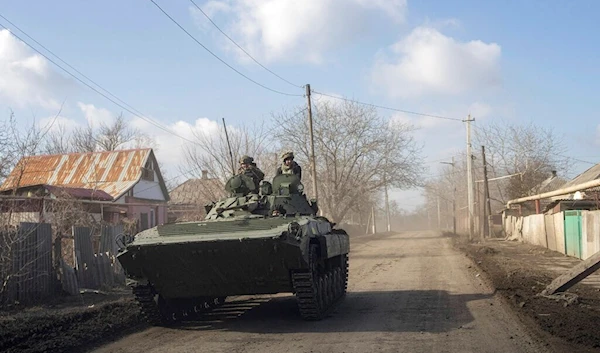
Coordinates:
[408,292]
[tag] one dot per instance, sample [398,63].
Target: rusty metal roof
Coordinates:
[114,172]
[197,191]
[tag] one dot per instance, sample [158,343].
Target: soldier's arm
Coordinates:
[259,173]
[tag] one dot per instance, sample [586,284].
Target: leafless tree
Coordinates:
[59,141]
[84,139]
[529,150]
[109,137]
[357,153]
[210,152]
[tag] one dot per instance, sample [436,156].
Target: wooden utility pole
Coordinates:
[486,194]
[470,198]
[387,209]
[312,145]
[453,199]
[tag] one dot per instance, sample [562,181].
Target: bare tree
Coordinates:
[357,152]
[84,139]
[111,137]
[7,158]
[210,153]
[529,150]
[59,141]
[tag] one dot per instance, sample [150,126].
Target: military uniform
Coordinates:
[251,170]
[293,168]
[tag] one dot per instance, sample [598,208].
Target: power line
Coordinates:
[242,49]
[218,58]
[387,108]
[141,116]
[69,65]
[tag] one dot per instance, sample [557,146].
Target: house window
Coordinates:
[147,174]
[152,220]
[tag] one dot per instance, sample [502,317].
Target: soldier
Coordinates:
[249,168]
[289,166]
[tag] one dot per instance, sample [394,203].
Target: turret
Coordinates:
[284,197]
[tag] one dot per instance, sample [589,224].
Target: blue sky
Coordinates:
[498,60]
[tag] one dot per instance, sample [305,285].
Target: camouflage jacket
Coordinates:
[253,172]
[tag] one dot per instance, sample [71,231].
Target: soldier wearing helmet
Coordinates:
[289,166]
[249,168]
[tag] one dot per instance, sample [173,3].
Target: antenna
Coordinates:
[229,146]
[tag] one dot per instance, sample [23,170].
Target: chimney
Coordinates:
[205,174]
[554,173]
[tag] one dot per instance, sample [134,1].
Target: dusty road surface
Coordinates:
[408,292]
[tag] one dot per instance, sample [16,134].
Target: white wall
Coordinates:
[149,190]
[590,224]
[549,231]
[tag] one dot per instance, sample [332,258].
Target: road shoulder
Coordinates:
[518,272]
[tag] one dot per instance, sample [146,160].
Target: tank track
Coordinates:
[158,312]
[317,293]
[144,295]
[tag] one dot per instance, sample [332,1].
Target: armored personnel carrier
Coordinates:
[257,240]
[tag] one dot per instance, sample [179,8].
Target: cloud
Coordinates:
[428,62]
[169,148]
[55,123]
[26,78]
[283,30]
[96,116]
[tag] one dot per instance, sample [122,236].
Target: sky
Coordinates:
[518,61]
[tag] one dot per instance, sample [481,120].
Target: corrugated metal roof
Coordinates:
[114,172]
[550,184]
[589,175]
[197,191]
[80,193]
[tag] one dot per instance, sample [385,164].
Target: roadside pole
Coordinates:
[312,145]
[486,195]
[470,199]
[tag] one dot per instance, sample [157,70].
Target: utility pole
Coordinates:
[486,195]
[312,145]
[453,196]
[470,199]
[387,209]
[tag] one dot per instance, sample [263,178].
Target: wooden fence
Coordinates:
[26,267]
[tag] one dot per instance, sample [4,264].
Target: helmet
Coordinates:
[287,155]
[246,160]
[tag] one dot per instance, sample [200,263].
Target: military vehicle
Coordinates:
[257,240]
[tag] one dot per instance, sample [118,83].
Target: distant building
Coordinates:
[187,200]
[579,200]
[112,185]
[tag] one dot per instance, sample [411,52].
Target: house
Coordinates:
[113,185]
[553,182]
[592,173]
[580,200]
[187,200]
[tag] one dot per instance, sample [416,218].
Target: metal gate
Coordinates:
[573,233]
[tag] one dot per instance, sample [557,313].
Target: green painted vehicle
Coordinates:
[262,241]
